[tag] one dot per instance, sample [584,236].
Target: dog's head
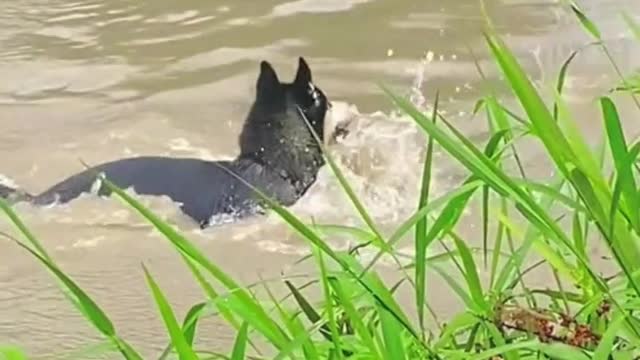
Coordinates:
[277,130]
[278,97]
[277,122]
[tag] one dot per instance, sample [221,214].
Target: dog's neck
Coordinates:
[298,170]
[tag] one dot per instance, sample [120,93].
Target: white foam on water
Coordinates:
[91,242]
[314,6]
[6,181]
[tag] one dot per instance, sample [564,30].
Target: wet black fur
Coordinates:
[278,154]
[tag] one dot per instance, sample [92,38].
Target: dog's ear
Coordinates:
[268,82]
[303,75]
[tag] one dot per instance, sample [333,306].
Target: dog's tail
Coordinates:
[14,195]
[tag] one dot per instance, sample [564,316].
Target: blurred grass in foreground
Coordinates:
[358,316]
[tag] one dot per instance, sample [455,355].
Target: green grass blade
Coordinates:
[624,168]
[328,302]
[499,121]
[562,351]
[305,306]
[591,28]
[471,275]
[421,242]
[587,24]
[516,260]
[497,244]
[308,310]
[498,339]
[309,347]
[541,119]
[500,127]
[624,251]
[15,219]
[499,350]
[578,235]
[449,216]
[606,346]
[126,350]
[12,353]
[189,325]
[177,337]
[561,78]
[380,293]
[486,213]
[240,345]
[551,191]
[584,157]
[211,293]
[293,323]
[296,342]
[458,324]
[498,116]
[351,311]
[191,322]
[392,335]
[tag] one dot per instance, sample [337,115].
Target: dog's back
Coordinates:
[202,188]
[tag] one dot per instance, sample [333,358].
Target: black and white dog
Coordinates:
[279,155]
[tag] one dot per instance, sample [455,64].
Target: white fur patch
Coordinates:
[97,184]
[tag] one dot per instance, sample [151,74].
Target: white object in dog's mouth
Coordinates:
[337,120]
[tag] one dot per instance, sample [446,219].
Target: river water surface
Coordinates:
[98,80]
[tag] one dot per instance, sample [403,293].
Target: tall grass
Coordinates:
[358,315]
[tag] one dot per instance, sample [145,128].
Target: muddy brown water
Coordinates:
[98,80]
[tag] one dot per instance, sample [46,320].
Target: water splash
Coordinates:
[416,97]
